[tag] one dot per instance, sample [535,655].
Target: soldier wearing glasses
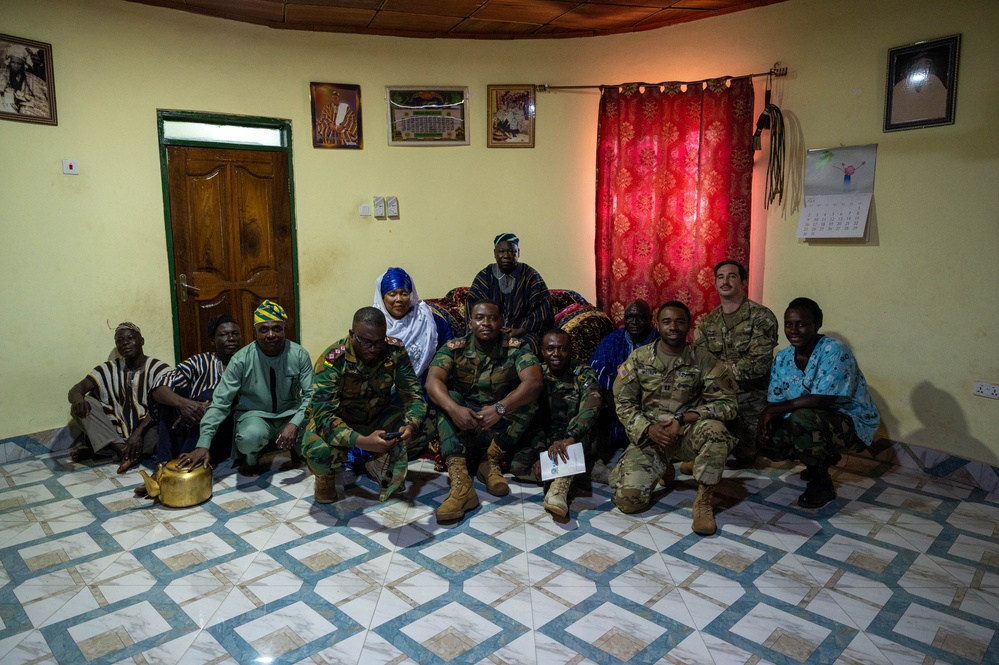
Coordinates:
[353,406]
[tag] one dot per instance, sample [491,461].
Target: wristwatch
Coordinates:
[500,409]
[678,417]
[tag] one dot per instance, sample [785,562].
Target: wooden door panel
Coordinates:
[231,220]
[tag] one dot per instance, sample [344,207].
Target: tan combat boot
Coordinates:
[704,516]
[557,499]
[462,496]
[489,471]
[326,489]
[687,468]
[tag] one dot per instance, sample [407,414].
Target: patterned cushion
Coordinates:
[587,325]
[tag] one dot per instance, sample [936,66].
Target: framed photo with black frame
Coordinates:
[27,82]
[336,115]
[921,84]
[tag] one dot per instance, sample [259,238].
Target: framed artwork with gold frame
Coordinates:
[510,116]
[427,115]
[27,81]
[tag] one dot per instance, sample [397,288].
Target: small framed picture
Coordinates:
[921,86]
[27,84]
[432,115]
[336,115]
[511,116]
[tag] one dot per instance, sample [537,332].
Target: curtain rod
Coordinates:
[775,72]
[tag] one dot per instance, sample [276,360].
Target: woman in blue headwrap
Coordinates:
[410,319]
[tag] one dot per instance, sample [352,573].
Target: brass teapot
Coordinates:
[179,488]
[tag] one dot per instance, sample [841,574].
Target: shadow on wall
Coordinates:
[944,423]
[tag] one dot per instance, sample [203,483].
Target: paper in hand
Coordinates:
[555,468]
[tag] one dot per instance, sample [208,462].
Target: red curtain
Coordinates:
[674,189]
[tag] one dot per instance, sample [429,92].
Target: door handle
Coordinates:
[184,287]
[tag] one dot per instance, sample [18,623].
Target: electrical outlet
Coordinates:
[983,389]
[392,206]
[380,207]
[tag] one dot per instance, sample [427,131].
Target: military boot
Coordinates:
[669,475]
[462,496]
[704,515]
[489,471]
[819,491]
[325,491]
[557,498]
[687,468]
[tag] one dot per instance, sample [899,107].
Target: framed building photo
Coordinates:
[511,116]
[921,86]
[27,84]
[336,115]
[427,115]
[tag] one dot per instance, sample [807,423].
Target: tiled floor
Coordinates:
[903,568]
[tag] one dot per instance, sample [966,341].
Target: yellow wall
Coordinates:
[80,250]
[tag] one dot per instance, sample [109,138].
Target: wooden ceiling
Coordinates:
[464,19]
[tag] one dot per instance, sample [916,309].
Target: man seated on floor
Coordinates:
[613,350]
[819,403]
[272,379]
[673,399]
[186,391]
[570,404]
[486,385]
[353,406]
[111,404]
[519,290]
[742,334]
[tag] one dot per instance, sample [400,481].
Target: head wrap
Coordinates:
[507,237]
[128,325]
[216,321]
[417,329]
[396,278]
[269,311]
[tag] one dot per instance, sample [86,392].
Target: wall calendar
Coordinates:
[839,187]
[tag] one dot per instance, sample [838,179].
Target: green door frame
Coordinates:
[284,127]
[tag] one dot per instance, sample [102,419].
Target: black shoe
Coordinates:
[818,492]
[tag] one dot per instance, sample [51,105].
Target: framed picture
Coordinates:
[427,115]
[27,84]
[336,115]
[921,86]
[511,116]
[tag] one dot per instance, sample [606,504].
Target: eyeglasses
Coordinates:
[369,343]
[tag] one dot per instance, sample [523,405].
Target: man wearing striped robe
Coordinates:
[519,290]
[111,403]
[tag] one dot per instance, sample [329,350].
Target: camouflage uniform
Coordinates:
[351,399]
[570,404]
[476,379]
[747,349]
[651,388]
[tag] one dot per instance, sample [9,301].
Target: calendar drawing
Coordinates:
[839,187]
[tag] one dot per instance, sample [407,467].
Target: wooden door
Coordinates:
[230,215]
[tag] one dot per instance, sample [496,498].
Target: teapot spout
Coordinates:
[152,487]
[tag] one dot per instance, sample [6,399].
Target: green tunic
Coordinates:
[248,377]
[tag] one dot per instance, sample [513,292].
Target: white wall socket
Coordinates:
[984,389]
[380,206]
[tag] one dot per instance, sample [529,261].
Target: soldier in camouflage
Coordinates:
[568,414]
[353,406]
[673,399]
[486,385]
[742,334]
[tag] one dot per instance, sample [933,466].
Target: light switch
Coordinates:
[392,207]
[70,167]
[364,210]
[380,207]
